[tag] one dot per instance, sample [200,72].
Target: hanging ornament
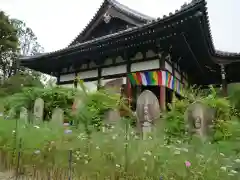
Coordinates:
[107,18]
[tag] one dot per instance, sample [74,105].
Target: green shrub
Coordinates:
[53,97]
[176,125]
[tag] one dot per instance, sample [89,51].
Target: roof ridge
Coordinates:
[127,9]
[118,6]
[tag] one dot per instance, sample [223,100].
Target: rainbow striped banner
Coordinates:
[156,78]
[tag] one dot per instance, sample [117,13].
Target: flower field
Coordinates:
[59,152]
[90,151]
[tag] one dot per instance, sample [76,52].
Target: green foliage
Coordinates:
[176,125]
[17,82]
[223,115]
[53,97]
[107,156]
[118,153]
[94,108]
[8,35]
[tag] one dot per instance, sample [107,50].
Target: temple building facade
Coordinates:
[123,48]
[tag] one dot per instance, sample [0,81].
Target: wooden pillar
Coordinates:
[129,87]
[58,78]
[224,81]
[99,77]
[129,92]
[75,82]
[162,89]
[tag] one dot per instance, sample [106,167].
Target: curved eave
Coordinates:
[195,5]
[228,56]
[223,56]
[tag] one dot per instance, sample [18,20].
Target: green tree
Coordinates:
[28,45]
[8,45]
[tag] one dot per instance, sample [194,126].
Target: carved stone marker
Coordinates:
[11,114]
[147,111]
[199,118]
[38,110]
[112,116]
[114,85]
[24,115]
[76,104]
[58,116]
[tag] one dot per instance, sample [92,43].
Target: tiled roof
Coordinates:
[129,11]
[165,18]
[120,7]
[186,7]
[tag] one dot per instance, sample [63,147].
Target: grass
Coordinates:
[114,154]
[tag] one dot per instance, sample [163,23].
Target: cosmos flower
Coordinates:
[68,131]
[37,152]
[187,164]
[65,124]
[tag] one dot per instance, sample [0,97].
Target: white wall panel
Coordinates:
[88,74]
[67,85]
[67,77]
[147,65]
[168,66]
[137,56]
[177,75]
[104,81]
[114,70]
[91,86]
[150,53]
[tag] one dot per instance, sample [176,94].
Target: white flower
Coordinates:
[118,165]
[78,158]
[97,147]
[184,149]
[148,153]
[86,161]
[237,160]
[223,168]
[221,154]
[143,159]
[77,152]
[199,156]
[37,127]
[233,172]
[114,136]
[177,152]
[179,142]
[136,137]
[37,152]
[150,137]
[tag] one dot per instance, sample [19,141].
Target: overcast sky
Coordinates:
[57,22]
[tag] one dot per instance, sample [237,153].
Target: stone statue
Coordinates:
[199,118]
[147,111]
